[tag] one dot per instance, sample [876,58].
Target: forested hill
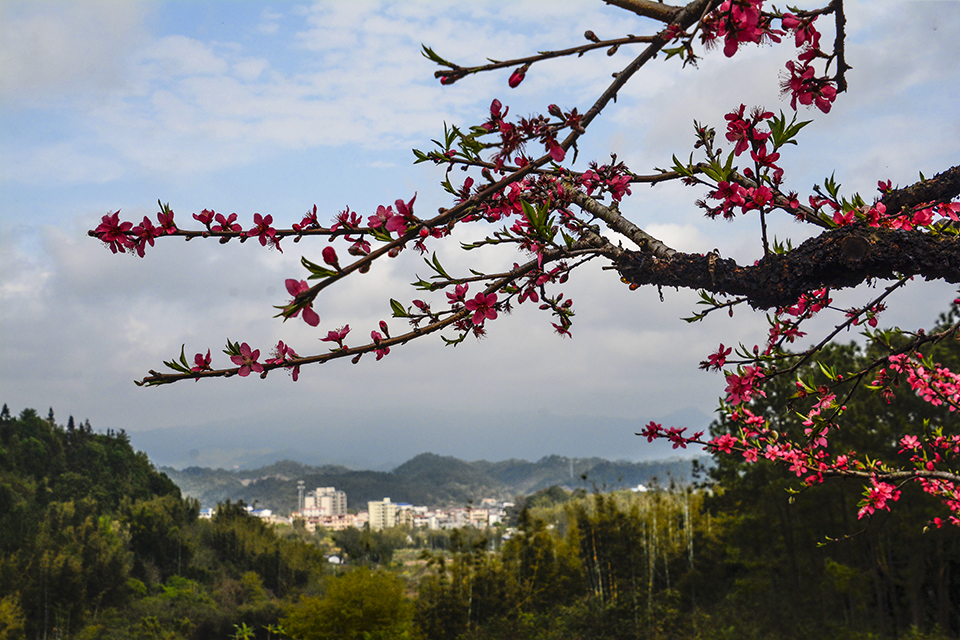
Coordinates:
[96,543]
[427,479]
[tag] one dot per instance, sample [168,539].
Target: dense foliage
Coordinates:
[97,544]
[755,553]
[94,542]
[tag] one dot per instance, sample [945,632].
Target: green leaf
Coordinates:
[448,342]
[832,187]
[398,310]
[434,264]
[783,133]
[423,285]
[316,271]
[430,54]
[674,51]
[830,372]
[680,168]
[182,366]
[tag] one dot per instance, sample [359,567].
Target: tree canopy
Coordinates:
[519,188]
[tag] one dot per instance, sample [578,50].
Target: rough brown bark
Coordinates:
[648,9]
[940,188]
[839,258]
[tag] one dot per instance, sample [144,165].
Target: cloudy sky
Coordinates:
[246,107]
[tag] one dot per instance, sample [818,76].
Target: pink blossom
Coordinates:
[262,228]
[227,223]
[247,360]
[381,351]
[716,360]
[724,443]
[295,288]
[114,233]
[556,151]
[741,387]
[877,496]
[840,218]
[282,354]
[205,217]
[337,335]
[201,363]
[910,442]
[675,436]
[144,233]
[652,431]
[483,307]
[166,220]
[380,218]
[309,221]
[458,293]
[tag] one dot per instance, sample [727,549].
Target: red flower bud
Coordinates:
[517,76]
[330,257]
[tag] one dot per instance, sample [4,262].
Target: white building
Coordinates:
[325,501]
[382,514]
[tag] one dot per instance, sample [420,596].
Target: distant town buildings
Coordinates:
[326,507]
[325,501]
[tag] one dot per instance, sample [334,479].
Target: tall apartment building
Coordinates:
[325,501]
[383,514]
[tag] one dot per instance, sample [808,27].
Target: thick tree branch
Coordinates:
[648,9]
[940,188]
[618,223]
[842,257]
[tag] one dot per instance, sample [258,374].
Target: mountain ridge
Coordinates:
[426,479]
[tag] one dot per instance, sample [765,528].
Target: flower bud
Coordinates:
[517,76]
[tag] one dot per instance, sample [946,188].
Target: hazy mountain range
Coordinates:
[428,479]
[360,441]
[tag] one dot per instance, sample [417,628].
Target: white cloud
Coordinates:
[170,111]
[49,50]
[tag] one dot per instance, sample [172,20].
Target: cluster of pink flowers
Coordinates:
[514,136]
[743,385]
[805,88]
[876,497]
[934,383]
[738,21]
[613,178]
[391,221]
[120,236]
[742,21]
[802,84]
[377,338]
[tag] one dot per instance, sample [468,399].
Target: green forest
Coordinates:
[96,543]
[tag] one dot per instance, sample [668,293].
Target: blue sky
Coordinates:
[248,107]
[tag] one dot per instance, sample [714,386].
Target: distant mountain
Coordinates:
[360,440]
[427,479]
